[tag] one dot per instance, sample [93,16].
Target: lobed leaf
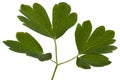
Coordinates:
[28,45]
[99,42]
[92,45]
[62,19]
[96,44]
[36,19]
[96,60]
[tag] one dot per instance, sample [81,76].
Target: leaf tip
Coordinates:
[36,4]
[4,42]
[22,6]
[87,22]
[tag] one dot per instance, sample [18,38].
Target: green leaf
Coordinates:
[28,45]
[82,34]
[96,60]
[36,19]
[80,62]
[62,19]
[99,42]
[45,57]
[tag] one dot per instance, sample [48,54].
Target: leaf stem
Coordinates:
[56,58]
[53,61]
[54,72]
[68,60]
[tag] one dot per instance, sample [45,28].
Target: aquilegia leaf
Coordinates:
[92,46]
[62,19]
[36,18]
[28,45]
[96,60]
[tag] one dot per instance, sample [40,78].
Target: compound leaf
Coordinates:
[28,45]
[36,19]
[62,19]
[95,44]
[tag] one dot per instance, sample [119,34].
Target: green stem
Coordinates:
[53,61]
[56,51]
[56,58]
[54,72]
[67,60]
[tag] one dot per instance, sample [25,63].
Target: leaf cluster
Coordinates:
[91,45]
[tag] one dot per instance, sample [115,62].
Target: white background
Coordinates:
[15,66]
